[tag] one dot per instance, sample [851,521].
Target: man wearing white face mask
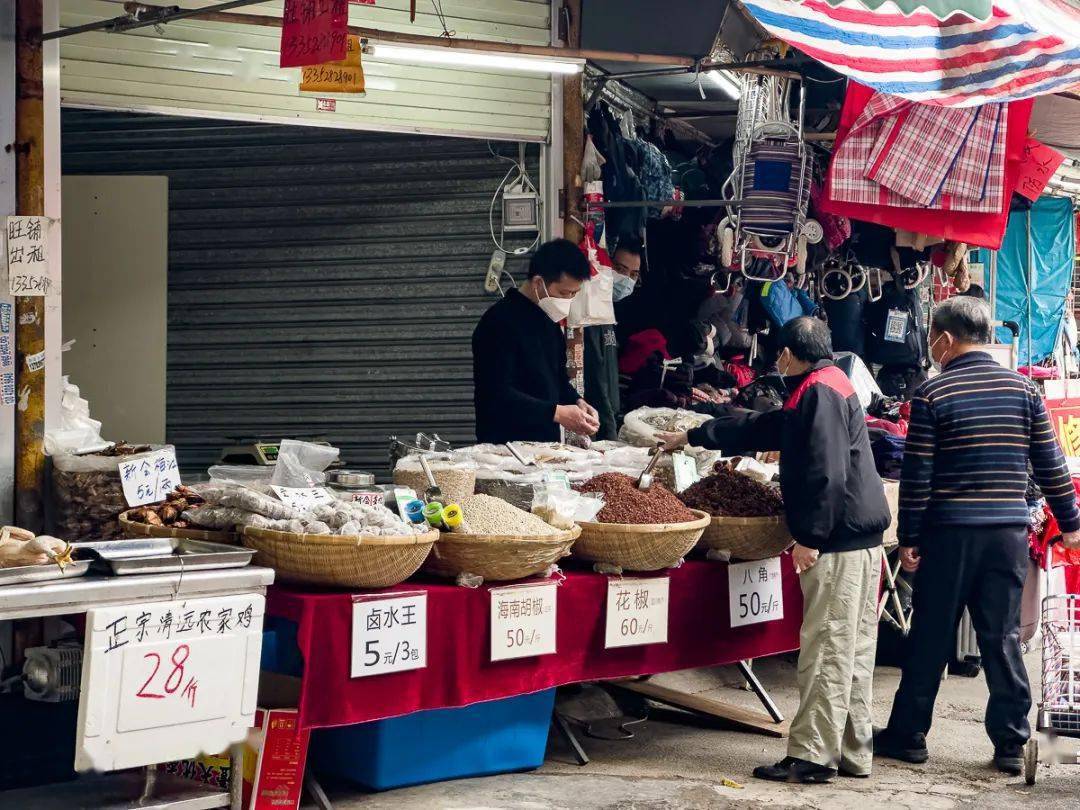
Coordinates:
[601,346]
[520,384]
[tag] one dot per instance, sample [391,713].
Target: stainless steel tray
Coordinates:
[163,555]
[42,573]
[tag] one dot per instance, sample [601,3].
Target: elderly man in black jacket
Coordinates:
[836,510]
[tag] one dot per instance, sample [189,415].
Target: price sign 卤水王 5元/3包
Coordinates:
[389,633]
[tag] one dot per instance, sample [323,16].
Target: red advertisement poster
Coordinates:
[277,779]
[1065,416]
[313,32]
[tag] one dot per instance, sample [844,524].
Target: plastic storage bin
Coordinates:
[500,736]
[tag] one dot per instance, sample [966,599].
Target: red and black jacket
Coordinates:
[834,499]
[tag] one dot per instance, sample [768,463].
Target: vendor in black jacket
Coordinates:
[835,507]
[521,388]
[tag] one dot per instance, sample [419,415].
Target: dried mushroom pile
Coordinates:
[727,493]
[625,503]
[88,494]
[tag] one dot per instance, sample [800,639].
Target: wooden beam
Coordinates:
[29,310]
[573,188]
[378,35]
[746,719]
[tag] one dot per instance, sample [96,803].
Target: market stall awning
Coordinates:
[942,9]
[1025,48]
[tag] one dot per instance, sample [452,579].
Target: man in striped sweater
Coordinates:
[963,528]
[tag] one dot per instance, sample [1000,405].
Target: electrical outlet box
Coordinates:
[521,211]
[495,269]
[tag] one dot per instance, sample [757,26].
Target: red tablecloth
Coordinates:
[459,671]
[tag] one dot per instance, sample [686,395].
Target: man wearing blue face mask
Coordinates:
[601,347]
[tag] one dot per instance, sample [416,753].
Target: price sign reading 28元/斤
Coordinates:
[168,680]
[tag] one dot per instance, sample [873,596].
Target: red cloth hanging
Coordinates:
[975,228]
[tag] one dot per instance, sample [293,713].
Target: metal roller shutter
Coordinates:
[320,281]
[231,71]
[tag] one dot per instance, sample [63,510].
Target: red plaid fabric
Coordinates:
[977,181]
[921,152]
[850,157]
[900,153]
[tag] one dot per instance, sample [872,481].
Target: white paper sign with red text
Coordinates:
[168,680]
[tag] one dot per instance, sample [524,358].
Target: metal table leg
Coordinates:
[568,734]
[759,690]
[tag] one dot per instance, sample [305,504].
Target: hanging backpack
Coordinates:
[896,332]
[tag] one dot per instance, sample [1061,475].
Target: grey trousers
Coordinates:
[838,644]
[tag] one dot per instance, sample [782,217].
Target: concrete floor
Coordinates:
[672,765]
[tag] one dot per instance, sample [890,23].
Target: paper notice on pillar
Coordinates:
[7,356]
[346,76]
[29,270]
[313,32]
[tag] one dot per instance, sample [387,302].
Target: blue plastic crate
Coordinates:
[500,736]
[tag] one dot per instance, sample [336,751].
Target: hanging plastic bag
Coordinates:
[300,464]
[593,305]
[591,161]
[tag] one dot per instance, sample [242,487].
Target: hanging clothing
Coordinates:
[602,378]
[847,321]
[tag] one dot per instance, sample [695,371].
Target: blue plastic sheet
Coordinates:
[1053,242]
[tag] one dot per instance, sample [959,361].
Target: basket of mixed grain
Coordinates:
[638,529]
[747,516]
[498,542]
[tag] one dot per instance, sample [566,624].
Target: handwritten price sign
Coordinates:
[523,621]
[148,478]
[389,634]
[168,680]
[755,592]
[637,612]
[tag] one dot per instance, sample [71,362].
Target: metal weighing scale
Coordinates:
[259,452]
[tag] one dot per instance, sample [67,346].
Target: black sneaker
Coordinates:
[1009,759]
[842,771]
[913,750]
[792,769]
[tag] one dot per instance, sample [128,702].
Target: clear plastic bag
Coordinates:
[563,508]
[301,464]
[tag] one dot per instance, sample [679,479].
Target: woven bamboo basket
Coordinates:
[134,528]
[365,561]
[498,557]
[639,546]
[747,538]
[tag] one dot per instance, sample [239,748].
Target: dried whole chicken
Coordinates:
[19,547]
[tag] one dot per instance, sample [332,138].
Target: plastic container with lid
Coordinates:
[359,487]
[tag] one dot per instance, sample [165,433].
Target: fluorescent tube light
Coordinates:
[725,82]
[479,59]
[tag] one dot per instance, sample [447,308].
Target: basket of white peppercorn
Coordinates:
[498,543]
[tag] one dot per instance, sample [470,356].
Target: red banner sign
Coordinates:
[1065,416]
[1040,163]
[313,32]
